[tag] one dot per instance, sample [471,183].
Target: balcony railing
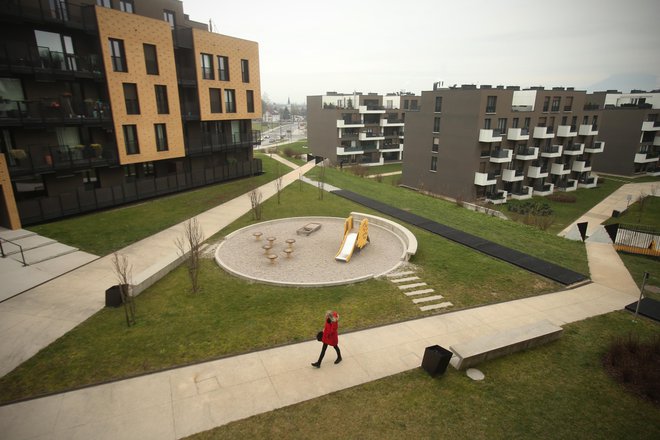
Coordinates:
[57,110]
[213,142]
[66,13]
[24,57]
[41,159]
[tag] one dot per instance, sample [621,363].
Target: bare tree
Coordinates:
[191,243]
[321,182]
[255,200]
[123,272]
[278,183]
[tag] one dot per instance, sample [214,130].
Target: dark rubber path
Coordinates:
[527,262]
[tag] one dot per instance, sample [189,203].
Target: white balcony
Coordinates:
[581,166]
[656,141]
[537,172]
[391,148]
[512,175]
[543,133]
[560,169]
[570,186]
[489,135]
[351,124]
[371,137]
[574,149]
[544,190]
[484,179]
[646,157]
[653,171]
[386,123]
[588,130]
[501,156]
[566,131]
[552,151]
[597,147]
[497,198]
[650,125]
[518,134]
[589,182]
[527,153]
[525,194]
[371,109]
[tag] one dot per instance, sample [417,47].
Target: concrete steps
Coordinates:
[419,296]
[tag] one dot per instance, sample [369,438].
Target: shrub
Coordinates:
[359,170]
[563,198]
[289,152]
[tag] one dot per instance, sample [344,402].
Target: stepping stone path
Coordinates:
[416,290]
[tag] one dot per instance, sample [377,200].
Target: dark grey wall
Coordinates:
[621,130]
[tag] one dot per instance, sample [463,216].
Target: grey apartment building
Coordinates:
[358,128]
[494,143]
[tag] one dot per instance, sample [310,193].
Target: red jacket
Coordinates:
[330,331]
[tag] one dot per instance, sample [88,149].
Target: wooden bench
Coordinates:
[505,342]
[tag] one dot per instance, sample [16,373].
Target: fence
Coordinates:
[636,239]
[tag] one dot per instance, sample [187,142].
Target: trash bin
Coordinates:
[616,213]
[113,296]
[436,359]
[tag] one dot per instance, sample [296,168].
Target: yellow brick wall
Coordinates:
[235,49]
[135,30]
[8,195]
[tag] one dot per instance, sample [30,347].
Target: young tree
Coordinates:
[191,243]
[321,182]
[123,272]
[255,200]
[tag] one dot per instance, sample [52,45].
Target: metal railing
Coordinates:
[66,13]
[40,158]
[54,110]
[20,248]
[21,56]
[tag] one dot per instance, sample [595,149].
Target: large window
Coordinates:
[501,125]
[249,97]
[230,101]
[556,100]
[436,125]
[491,104]
[118,55]
[126,6]
[436,145]
[131,99]
[104,3]
[161,137]
[568,104]
[162,103]
[438,104]
[131,139]
[207,66]
[151,59]
[434,163]
[223,68]
[245,71]
[546,103]
[168,16]
[215,97]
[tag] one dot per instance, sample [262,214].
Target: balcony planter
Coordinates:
[436,359]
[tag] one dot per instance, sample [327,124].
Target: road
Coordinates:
[274,135]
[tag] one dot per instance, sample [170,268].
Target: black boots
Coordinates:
[338,360]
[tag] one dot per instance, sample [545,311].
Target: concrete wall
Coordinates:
[621,130]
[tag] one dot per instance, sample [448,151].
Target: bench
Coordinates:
[505,342]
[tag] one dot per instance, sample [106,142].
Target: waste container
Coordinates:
[436,359]
[616,213]
[113,296]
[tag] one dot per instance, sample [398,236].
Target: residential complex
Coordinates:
[357,128]
[494,143]
[111,101]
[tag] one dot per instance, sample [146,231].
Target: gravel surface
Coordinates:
[312,262]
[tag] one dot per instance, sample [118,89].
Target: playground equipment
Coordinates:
[353,239]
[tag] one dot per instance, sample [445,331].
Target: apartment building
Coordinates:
[106,102]
[630,125]
[358,128]
[495,143]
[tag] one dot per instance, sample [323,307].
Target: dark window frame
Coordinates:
[434,163]
[207,69]
[436,125]
[215,104]
[162,100]
[438,104]
[131,98]
[245,70]
[118,55]
[223,67]
[161,141]
[132,147]
[230,100]
[249,98]
[151,65]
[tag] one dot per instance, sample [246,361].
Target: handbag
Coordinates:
[319,336]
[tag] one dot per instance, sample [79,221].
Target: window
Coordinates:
[168,16]
[528,121]
[556,100]
[148,169]
[514,123]
[595,123]
[436,125]
[413,104]
[434,163]
[131,99]
[585,120]
[162,104]
[230,101]
[118,55]
[207,66]
[245,71]
[491,104]
[131,139]
[406,104]
[501,125]
[487,123]
[546,103]
[438,104]
[223,68]
[568,106]
[104,3]
[151,59]
[59,10]
[216,100]
[436,145]
[161,137]
[564,120]
[249,97]
[573,123]
[126,6]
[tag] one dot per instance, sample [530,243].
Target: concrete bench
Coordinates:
[505,342]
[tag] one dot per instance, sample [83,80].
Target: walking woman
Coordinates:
[330,337]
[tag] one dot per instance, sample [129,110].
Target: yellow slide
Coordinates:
[353,239]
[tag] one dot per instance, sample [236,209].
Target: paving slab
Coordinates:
[435,306]
[427,299]
[411,286]
[419,292]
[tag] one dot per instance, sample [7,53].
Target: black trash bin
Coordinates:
[113,296]
[616,214]
[436,359]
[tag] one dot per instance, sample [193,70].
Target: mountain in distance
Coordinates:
[625,82]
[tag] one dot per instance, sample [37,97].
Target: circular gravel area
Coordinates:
[312,262]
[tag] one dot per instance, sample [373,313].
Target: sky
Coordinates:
[311,47]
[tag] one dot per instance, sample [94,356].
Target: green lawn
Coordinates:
[646,213]
[558,391]
[104,232]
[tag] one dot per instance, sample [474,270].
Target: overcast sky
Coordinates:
[308,47]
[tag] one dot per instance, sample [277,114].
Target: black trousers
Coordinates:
[325,347]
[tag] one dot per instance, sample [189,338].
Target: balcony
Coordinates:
[524,194]
[46,159]
[518,134]
[544,189]
[552,151]
[29,58]
[588,130]
[650,125]
[647,157]
[588,182]
[489,135]
[54,111]
[217,142]
[371,136]
[64,13]
[352,123]
[389,148]
[496,197]
[597,147]
[567,186]
[512,175]
[391,123]
[581,166]
[543,133]
[501,156]
[484,179]
[537,172]
[574,149]
[527,153]
[653,171]
[371,109]
[560,169]
[567,131]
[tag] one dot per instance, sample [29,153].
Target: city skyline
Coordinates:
[310,48]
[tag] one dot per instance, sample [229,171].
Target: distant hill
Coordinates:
[625,82]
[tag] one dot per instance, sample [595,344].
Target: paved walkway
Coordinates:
[184,401]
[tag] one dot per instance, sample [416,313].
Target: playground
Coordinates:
[297,252]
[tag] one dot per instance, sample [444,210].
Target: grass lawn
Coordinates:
[647,214]
[104,232]
[567,253]
[232,316]
[293,149]
[558,391]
